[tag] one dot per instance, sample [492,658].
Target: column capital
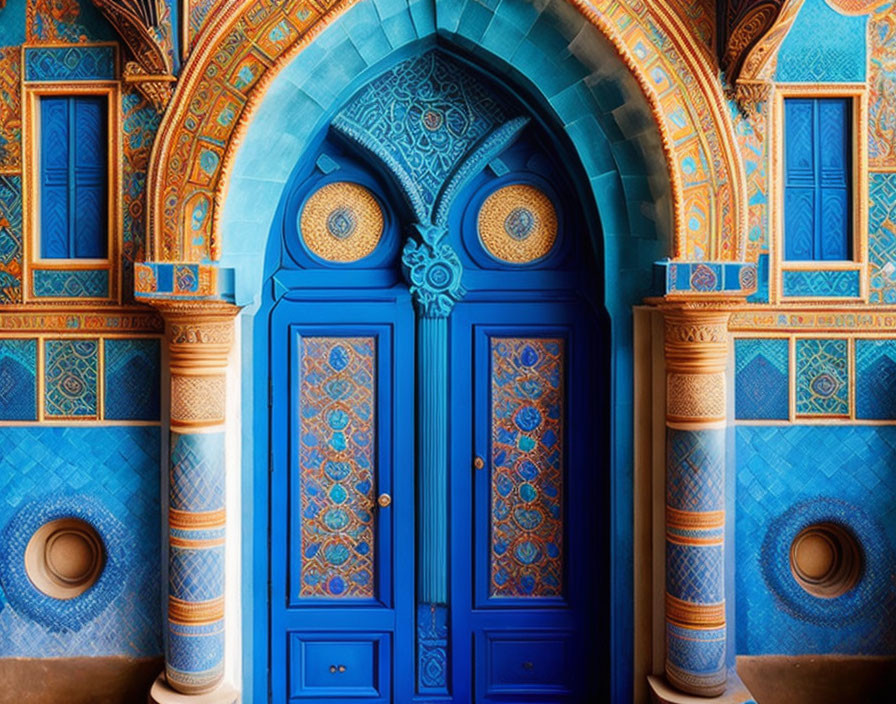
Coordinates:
[696,336]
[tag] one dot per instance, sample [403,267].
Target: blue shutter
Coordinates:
[817,179]
[73,197]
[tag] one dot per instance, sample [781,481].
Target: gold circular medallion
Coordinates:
[518,224]
[341,222]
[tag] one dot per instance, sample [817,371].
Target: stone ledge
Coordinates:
[735,693]
[161,693]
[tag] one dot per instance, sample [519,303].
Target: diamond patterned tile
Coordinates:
[780,467]
[119,468]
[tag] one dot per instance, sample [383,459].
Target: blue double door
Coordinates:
[520,622]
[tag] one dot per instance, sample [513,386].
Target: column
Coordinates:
[199,341]
[696,350]
[433,273]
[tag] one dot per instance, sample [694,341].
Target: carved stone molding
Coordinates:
[752,34]
[145,28]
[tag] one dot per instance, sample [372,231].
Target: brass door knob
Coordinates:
[478,463]
[384,500]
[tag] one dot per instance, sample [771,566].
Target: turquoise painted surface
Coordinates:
[823,46]
[118,469]
[12,23]
[783,475]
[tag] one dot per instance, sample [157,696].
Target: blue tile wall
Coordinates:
[761,379]
[789,477]
[823,46]
[70,63]
[70,378]
[18,379]
[76,283]
[822,377]
[876,379]
[110,474]
[131,379]
[829,284]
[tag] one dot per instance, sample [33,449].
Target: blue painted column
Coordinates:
[199,339]
[433,273]
[696,351]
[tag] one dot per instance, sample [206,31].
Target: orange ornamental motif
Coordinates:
[243,46]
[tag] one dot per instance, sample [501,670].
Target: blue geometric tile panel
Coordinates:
[131,379]
[70,63]
[805,283]
[70,378]
[76,283]
[876,379]
[18,379]
[822,377]
[792,476]
[761,379]
[110,476]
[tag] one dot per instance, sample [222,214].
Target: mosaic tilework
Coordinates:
[71,63]
[18,379]
[761,379]
[131,384]
[422,100]
[10,109]
[139,122]
[196,480]
[77,283]
[12,22]
[829,284]
[69,21]
[518,224]
[779,470]
[704,277]
[337,466]
[527,409]
[180,280]
[432,646]
[876,379]
[694,464]
[341,222]
[199,11]
[882,88]
[70,378]
[31,603]
[10,239]
[822,377]
[44,467]
[752,138]
[882,237]
[823,46]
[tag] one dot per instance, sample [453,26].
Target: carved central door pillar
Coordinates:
[200,337]
[696,352]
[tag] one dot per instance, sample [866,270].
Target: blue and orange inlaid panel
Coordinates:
[762,367]
[527,467]
[337,466]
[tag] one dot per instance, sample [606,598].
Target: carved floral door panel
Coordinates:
[520,595]
[342,484]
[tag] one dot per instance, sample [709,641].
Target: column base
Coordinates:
[661,692]
[161,693]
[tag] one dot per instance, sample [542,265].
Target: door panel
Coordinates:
[522,474]
[341,377]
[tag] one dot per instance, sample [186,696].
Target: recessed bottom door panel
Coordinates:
[526,664]
[339,667]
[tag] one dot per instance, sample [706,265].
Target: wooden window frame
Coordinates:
[858,93]
[31,191]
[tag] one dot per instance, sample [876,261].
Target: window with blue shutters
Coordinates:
[818,220]
[74,209]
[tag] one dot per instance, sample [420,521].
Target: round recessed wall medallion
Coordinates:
[518,224]
[826,560]
[341,222]
[64,558]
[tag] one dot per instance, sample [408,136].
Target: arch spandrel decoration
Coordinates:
[245,46]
